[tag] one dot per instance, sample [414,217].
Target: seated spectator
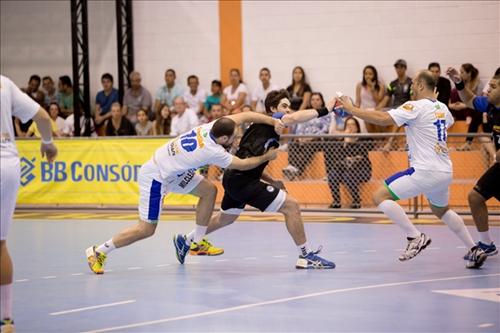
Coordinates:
[51,94]
[299,91]
[369,93]
[347,162]
[217,111]
[247,108]
[118,125]
[162,122]
[236,94]
[185,119]
[195,97]
[65,96]
[166,94]
[87,127]
[33,130]
[301,151]
[33,90]
[135,98]
[144,126]
[104,99]
[55,112]
[260,92]
[215,98]
[443,86]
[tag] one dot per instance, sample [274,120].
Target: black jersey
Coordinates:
[481,104]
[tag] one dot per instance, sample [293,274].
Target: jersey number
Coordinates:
[191,141]
[441,129]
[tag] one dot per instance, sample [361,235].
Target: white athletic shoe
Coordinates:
[414,247]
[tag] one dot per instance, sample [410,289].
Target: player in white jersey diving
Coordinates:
[426,121]
[15,103]
[173,169]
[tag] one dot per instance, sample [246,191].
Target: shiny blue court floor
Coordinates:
[254,286]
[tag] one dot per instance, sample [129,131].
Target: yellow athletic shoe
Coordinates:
[96,260]
[204,248]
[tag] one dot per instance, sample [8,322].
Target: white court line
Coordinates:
[22,280]
[485,325]
[280,256]
[109,270]
[134,268]
[76,274]
[369,251]
[433,248]
[192,263]
[284,300]
[461,247]
[399,250]
[250,258]
[340,252]
[221,260]
[162,265]
[92,307]
[49,277]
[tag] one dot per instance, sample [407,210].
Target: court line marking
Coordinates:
[92,307]
[21,280]
[284,300]
[369,251]
[134,268]
[77,274]
[281,256]
[49,277]
[485,325]
[162,265]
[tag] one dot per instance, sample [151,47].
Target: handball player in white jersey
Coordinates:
[173,169]
[426,121]
[14,103]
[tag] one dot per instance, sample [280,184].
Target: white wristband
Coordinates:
[48,142]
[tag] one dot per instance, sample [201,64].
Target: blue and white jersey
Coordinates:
[426,124]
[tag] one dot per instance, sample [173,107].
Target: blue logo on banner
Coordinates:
[27,167]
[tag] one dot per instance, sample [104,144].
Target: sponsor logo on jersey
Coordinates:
[407,107]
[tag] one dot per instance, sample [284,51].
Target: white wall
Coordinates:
[334,40]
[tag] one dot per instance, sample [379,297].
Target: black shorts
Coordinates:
[489,183]
[240,191]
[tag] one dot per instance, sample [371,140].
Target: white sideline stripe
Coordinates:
[485,325]
[433,248]
[162,265]
[134,268]
[21,280]
[250,258]
[281,256]
[221,260]
[76,274]
[92,307]
[192,263]
[340,252]
[49,277]
[369,251]
[284,300]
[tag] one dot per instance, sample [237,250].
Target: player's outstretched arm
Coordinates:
[252,117]
[466,95]
[252,162]
[373,116]
[47,147]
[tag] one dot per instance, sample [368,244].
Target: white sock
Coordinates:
[304,249]
[6,301]
[484,237]
[199,233]
[457,225]
[397,215]
[106,247]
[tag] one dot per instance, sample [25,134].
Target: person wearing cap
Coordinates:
[399,89]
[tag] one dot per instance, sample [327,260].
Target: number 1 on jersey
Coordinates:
[441,129]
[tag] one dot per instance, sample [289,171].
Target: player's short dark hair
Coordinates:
[497,72]
[171,71]
[65,80]
[35,77]
[223,126]
[107,76]
[273,99]
[427,79]
[217,83]
[192,77]
[434,64]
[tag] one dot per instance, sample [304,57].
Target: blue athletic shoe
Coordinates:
[489,250]
[313,261]
[181,248]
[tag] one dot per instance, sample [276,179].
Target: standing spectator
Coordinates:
[399,89]
[443,86]
[144,126]
[33,90]
[347,162]
[301,151]
[136,97]
[195,97]
[261,91]
[185,118]
[51,94]
[299,90]
[166,94]
[118,125]
[66,99]
[55,115]
[104,99]
[369,93]
[236,94]
[162,122]
[216,89]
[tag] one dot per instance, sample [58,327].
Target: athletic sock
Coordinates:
[199,233]
[484,237]
[304,249]
[457,225]
[190,237]
[6,301]
[397,215]
[106,247]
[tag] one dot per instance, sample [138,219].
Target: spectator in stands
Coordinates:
[118,125]
[443,86]
[369,93]
[104,99]
[34,132]
[51,94]
[299,90]
[217,112]
[166,94]
[162,122]
[185,119]
[398,91]
[235,95]
[195,97]
[347,162]
[470,76]
[136,97]
[215,98]
[55,113]
[66,99]
[69,126]
[33,90]
[301,151]
[144,126]
[260,92]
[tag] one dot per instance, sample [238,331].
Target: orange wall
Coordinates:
[230,38]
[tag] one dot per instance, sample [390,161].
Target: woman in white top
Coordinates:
[369,92]
[235,95]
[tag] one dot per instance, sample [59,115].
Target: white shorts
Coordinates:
[9,184]
[410,183]
[152,189]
